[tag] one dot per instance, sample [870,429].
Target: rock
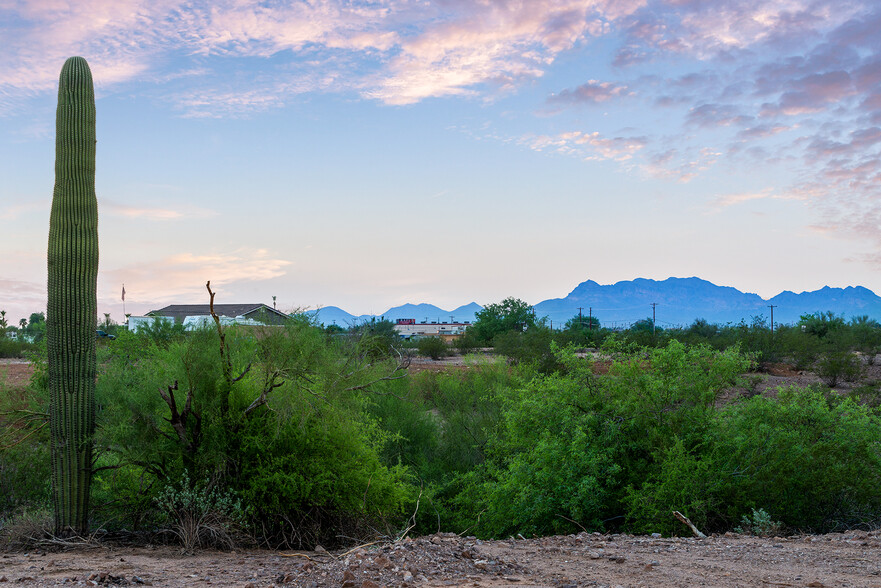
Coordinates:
[348,579]
[369,584]
[285,578]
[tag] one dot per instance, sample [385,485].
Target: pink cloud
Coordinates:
[590,146]
[20,298]
[589,92]
[184,275]
[153,213]
[762,131]
[492,42]
[715,115]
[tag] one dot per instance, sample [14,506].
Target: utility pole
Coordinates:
[654,304]
[590,318]
[580,319]
[772,307]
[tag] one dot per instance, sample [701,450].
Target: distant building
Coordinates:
[248,313]
[408,328]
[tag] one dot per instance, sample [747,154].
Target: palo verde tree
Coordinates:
[72,305]
[511,314]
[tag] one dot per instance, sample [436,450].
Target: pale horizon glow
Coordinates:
[367,153]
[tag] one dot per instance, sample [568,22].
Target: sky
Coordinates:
[364,154]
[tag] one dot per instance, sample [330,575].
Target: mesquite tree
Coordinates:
[72,312]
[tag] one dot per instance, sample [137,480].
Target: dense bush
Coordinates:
[278,418]
[534,346]
[316,437]
[578,451]
[433,347]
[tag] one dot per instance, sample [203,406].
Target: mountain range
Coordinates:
[678,302]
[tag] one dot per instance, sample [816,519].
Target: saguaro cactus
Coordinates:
[72,311]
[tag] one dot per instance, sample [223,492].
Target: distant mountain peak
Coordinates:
[679,302]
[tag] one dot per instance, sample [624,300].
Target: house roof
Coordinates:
[180,311]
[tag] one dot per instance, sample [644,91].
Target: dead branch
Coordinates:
[684,519]
[412,520]
[178,420]
[296,555]
[272,382]
[5,447]
[397,374]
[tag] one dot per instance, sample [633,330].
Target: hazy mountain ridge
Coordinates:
[679,301]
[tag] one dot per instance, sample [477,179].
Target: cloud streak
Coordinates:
[183,275]
[154,214]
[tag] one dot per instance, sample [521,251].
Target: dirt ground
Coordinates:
[14,373]
[839,560]
[851,559]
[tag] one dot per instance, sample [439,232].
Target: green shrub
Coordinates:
[759,523]
[535,346]
[467,343]
[433,347]
[24,449]
[282,421]
[835,366]
[25,528]
[14,348]
[685,480]
[201,516]
[811,459]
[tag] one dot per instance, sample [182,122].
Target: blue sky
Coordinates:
[365,154]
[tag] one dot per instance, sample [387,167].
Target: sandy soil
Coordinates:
[850,559]
[14,373]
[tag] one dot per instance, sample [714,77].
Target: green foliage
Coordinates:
[584,331]
[534,346]
[24,450]
[838,365]
[433,347]
[33,329]
[25,528]
[377,338]
[72,308]
[320,439]
[162,330]
[511,314]
[569,443]
[812,459]
[281,420]
[200,515]
[821,324]
[759,523]
[467,343]
[10,347]
[683,479]
[646,333]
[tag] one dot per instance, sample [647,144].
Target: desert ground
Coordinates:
[836,560]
